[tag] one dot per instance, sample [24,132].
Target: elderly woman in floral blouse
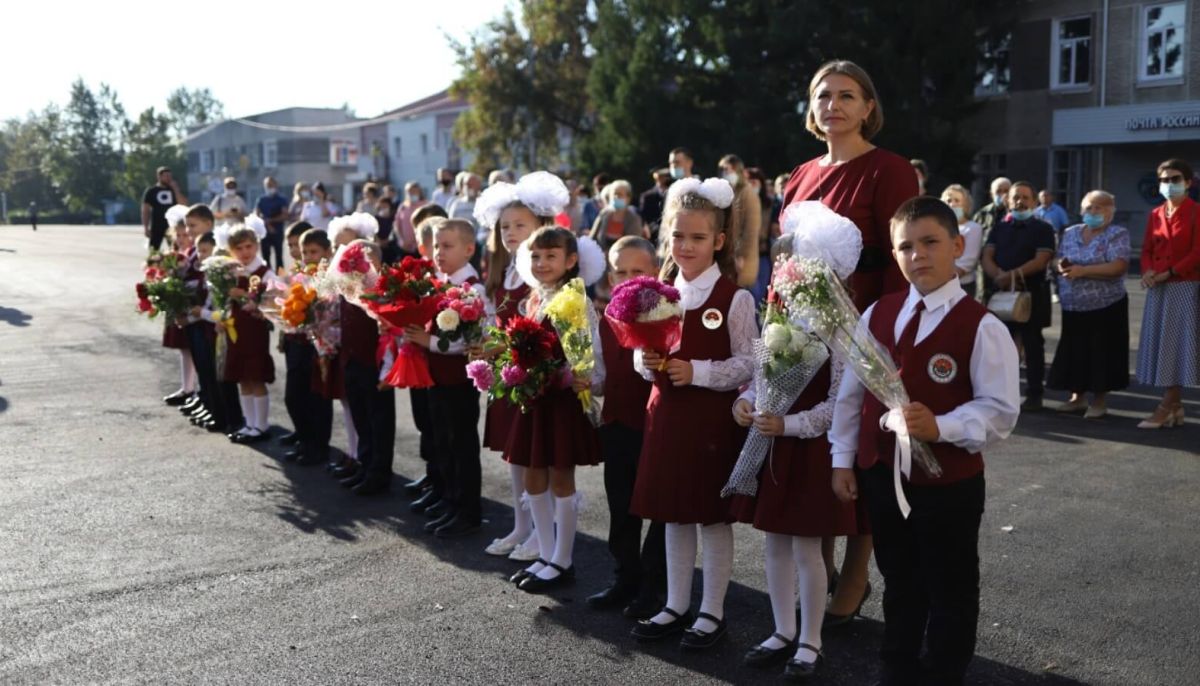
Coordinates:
[1093,354]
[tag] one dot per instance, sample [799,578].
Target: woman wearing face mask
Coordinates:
[300,195]
[1093,353]
[618,218]
[1169,351]
[228,207]
[959,200]
[405,236]
[745,244]
[317,210]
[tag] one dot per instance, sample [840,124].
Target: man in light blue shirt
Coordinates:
[1051,212]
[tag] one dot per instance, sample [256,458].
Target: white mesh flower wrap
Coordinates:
[717,191]
[543,192]
[820,233]
[592,262]
[492,202]
[176,214]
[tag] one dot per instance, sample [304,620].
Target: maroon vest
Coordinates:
[625,391]
[700,342]
[936,372]
[508,302]
[360,335]
[194,276]
[449,370]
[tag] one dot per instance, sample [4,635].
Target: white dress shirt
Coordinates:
[717,375]
[989,417]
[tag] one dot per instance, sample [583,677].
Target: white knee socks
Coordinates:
[718,569]
[681,565]
[781,584]
[522,521]
[813,586]
[187,372]
[541,506]
[247,403]
[566,518]
[262,411]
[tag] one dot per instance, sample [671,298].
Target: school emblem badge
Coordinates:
[942,368]
[712,319]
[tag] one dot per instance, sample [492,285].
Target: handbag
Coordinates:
[1012,305]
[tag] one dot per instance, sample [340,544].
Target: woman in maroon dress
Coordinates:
[865,184]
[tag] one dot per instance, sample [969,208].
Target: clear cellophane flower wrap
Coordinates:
[816,299]
[786,359]
[573,317]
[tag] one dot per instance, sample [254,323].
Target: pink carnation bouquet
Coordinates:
[645,313]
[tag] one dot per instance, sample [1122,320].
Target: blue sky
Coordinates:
[255,56]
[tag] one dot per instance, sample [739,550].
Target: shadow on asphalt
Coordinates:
[14,316]
[313,502]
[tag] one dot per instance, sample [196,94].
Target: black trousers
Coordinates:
[311,414]
[273,242]
[373,412]
[930,567]
[157,235]
[204,358]
[640,564]
[455,414]
[418,400]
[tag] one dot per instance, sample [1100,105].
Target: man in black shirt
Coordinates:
[155,202]
[1016,254]
[650,203]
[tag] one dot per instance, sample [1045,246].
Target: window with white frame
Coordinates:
[206,161]
[1162,40]
[992,72]
[270,154]
[1071,56]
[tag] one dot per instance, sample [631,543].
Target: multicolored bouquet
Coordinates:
[573,317]
[351,272]
[645,313]
[528,365]
[460,317]
[163,289]
[220,273]
[787,358]
[407,294]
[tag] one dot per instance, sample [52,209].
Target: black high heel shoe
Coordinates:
[832,621]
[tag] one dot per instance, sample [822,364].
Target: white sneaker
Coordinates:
[526,552]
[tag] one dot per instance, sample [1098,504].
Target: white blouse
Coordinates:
[816,420]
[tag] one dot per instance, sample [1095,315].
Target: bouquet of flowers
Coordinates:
[817,300]
[220,273]
[404,295]
[460,317]
[572,316]
[645,313]
[163,288]
[787,358]
[526,368]
[351,272]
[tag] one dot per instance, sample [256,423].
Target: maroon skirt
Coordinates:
[174,337]
[553,433]
[249,359]
[690,447]
[497,424]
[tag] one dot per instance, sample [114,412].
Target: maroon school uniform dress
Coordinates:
[691,441]
[554,432]
[625,391]
[501,414]
[795,497]
[174,337]
[937,372]
[249,358]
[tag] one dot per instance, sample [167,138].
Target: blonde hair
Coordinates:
[242,234]
[498,255]
[428,228]
[610,191]
[874,121]
[963,192]
[724,221]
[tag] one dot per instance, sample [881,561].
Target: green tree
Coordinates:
[26,146]
[190,109]
[149,144]
[85,156]
[526,84]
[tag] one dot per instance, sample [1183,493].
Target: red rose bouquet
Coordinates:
[404,295]
[162,289]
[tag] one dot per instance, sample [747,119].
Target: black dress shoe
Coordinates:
[292,438]
[416,487]
[458,527]
[191,404]
[798,670]
[423,503]
[345,470]
[354,479]
[760,656]
[177,398]
[642,607]
[832,621]
[1032,403]
[308,458]
[536,584]
[293,455]
[200,417]
[524,572]
[213,426]
[617,595]
[695,639]
[436,523]
[372,486]
[647,631]
[437,509]
[248,437]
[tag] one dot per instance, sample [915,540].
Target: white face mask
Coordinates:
[272,191]
[732,178]
[231,192]
[305,194]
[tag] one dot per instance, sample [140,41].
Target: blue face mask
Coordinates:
[958,213]
[1022,215]
[998,199]
[676,173]
[1093,221]
[618,204]
[1172,191]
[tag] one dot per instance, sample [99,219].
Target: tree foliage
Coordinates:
[190,109]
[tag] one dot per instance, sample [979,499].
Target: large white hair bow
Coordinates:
[820,233]
[592,262]
[492,202]
[543,192]
[176,214]
[717,191]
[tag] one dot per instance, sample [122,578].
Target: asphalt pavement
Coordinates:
[136,549]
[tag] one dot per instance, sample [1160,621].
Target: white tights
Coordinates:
[785,556]
[717,565]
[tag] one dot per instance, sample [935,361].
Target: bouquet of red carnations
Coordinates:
[645,313]
[531,363]
[407,294]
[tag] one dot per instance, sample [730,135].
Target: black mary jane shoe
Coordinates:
[798,671]
[536,584]
[646,631]
[760,656]
[524,573]
[694,639]
[833,621]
